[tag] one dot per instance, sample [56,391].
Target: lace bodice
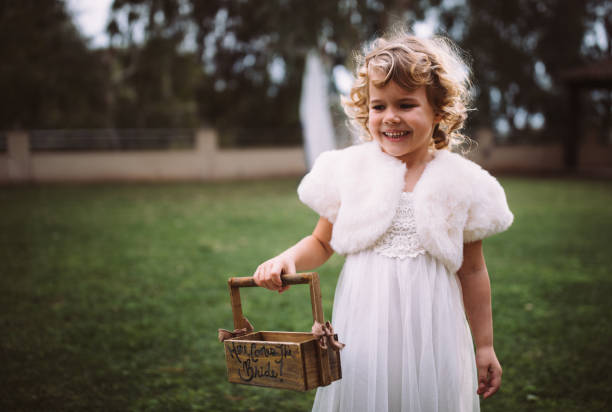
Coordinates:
[400,240]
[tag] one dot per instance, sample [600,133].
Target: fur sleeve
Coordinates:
[488,213]
[319,188]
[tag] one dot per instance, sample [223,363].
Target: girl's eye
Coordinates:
[407,106]
[378,107]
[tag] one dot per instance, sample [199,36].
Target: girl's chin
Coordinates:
[393,145]
[393,151]
[400,150]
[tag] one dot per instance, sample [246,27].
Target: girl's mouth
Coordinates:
[395,136]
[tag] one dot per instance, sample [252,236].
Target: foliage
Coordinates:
[154,86]
[111,295]
[515,48]
[237,65]
[48,76]
[239,42]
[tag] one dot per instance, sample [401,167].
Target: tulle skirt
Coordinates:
[408,344]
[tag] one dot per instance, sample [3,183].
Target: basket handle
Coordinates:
[312,279]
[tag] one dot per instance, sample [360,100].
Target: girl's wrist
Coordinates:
[483,341]
[287,255]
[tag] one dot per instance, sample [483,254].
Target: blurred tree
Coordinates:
[237,64]
[154,81]
[258,49]
[155,86]
[48,76]
[599,106]
[253,52]
[519,51]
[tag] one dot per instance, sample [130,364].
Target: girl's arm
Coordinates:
[476,288]
[309,253]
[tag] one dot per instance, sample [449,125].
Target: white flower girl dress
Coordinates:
[408,344]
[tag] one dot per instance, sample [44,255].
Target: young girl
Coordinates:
[410,217]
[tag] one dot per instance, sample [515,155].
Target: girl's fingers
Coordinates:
[483,371]
[494,382]
[265,276]
[269,278]
[490,384]
[275,273]
[257,276]
[290,269]
[268,274]
[490,391]
[261,276]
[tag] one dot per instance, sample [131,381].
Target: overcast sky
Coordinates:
[91,17]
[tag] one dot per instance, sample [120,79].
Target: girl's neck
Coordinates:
[416,159]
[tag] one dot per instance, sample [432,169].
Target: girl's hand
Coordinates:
[489,371]
[309,253]
[268,273]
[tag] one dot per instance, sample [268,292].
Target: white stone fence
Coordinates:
[206,161]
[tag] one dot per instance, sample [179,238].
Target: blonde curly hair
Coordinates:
[413,62]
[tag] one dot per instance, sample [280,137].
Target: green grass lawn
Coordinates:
[111,295]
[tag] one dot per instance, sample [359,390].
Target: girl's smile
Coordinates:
[396,135]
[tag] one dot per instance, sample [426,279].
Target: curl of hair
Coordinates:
[413,62]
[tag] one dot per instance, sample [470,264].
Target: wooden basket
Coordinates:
[284,360]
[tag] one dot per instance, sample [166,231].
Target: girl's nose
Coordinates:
[391,117]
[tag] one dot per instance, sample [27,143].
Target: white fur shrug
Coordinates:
[358,190]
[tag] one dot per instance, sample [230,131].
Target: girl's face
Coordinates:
[401,121]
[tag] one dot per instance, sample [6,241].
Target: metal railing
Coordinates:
[241,137]
[111,139]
